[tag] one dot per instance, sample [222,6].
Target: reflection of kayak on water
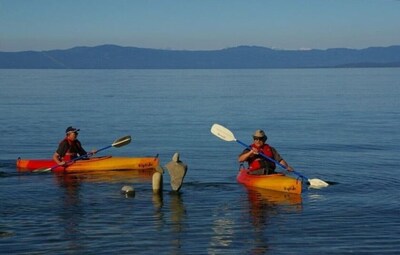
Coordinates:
[91,164]
[274,197]
[114,176]
[264,204]
[277,182]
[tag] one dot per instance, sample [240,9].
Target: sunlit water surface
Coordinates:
[339,125]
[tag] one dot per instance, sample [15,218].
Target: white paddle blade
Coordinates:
[317,183]
[222,132]
[122,141]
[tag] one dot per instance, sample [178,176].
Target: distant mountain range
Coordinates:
[117,57]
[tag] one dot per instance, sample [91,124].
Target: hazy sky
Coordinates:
[198,24]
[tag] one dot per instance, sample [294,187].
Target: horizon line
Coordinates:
[229,47]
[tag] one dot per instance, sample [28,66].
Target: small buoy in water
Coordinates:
[128,191]
[157,182]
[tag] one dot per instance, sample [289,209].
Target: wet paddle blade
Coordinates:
[122,141]
[42,170]
[317,183]
[222,132]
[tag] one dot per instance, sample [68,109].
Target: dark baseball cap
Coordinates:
[71,130]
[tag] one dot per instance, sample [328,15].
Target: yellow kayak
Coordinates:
[91,164]
[278,182]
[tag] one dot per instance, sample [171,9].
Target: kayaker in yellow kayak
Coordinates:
[259,165]
[70,147]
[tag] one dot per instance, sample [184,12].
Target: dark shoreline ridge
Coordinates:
[242,57]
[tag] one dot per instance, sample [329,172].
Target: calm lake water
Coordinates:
[338,125]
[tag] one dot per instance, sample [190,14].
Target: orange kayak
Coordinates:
[278,182]
[91,164]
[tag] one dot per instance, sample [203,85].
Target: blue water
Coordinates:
[338,125]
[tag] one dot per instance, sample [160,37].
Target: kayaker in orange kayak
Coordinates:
[259,165]
[70,147]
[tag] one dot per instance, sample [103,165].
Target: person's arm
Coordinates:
[82,151]
[281,161]
[57,159]
[246,154]
[60,152]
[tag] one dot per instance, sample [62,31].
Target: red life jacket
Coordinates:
[259,161]
[70,154]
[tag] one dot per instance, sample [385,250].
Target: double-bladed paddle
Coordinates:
[227,135]
[117,143]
